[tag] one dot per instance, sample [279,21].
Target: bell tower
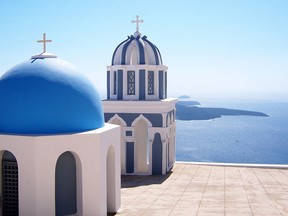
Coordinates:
[137,100]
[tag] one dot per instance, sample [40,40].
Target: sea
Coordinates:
[236,139]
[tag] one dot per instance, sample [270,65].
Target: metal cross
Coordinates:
[44,41]
[137,21]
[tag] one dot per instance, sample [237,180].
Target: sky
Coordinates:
[213,48]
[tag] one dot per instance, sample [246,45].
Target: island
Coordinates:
[189,110]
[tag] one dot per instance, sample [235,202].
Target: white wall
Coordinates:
[37,157]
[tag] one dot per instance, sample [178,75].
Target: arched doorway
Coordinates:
[65,185]
[10,194]
[157,150]
[142,146]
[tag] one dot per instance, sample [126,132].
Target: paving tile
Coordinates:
[211,210]
[238,211]
[282,206]
[140,200]
[184,210]
[188,203]
[210,214]
[158,210]
[260,208]
[211,204]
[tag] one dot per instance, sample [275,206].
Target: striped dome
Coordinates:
[136,50]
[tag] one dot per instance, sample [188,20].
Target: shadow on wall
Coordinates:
[128,181]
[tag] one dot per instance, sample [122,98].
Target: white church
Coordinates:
[137,101]
[57,154]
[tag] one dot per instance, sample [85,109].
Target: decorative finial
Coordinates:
[137,21]
[44,54]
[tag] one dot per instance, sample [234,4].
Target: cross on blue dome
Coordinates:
[48,96]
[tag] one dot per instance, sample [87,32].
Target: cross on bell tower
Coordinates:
[137,21]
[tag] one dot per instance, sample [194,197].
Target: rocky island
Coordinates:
[189,110]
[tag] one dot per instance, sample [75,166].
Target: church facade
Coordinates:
[137,101]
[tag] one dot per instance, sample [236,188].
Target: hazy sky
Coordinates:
[213,48]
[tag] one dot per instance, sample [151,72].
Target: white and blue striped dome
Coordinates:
[136,50]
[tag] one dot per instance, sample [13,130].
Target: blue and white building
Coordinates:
[137,101]
[57,155]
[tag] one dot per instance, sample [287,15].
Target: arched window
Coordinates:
[131,82]
[65,185]
[9,184]
[150,82]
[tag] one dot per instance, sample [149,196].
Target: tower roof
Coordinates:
[136,50]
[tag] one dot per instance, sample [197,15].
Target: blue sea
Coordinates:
[236,139]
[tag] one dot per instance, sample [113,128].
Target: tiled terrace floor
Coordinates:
[207,190]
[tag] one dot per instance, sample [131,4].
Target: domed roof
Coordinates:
[48,96]
[136,50]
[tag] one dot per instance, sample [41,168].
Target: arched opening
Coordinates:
[157,150]
[110,180]
[142,146]
[65,185]
[117,121]
[134,57]
[9,180]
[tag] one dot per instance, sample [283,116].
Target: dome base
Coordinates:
[44,55]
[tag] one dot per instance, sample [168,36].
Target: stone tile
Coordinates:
[148,200]
[209,214]
[236,199]
[158,210]
[237,205]
[196,186]
[214,187]
[155,191]
[282,206]
[259,198]
[238,210]
[162,201]
[211,210]
[184,211]
[211,204]
[268,208]
[188,203]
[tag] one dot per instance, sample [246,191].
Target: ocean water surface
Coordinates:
[236,139]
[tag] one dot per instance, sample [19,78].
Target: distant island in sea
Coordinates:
[189,110]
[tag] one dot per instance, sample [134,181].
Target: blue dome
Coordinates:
[48,96]
[136,50]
